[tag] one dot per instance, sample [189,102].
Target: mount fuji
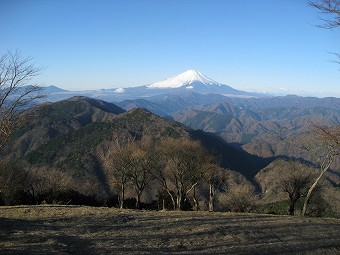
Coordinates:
[195,81]
[187,78]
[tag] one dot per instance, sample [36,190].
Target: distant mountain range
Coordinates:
[190,80]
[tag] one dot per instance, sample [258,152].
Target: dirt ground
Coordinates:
[87,230]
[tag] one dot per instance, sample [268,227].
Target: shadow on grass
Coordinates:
[139,233]
[40,237]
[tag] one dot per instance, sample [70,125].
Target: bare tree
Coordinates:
[214,176]
[184,161]
[16,92]
[117,161]
[13,183]
[143,161]
[296,184]
[325,148]
[160,174]
[42,181]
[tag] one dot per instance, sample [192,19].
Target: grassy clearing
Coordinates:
[90,230]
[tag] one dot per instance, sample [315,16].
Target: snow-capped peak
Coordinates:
[186,78]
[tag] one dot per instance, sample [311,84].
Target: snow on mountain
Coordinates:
[183,79]
[119,90]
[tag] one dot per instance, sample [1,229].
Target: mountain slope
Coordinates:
[241,121]
[70,149]
[173,102]
[142,103]
[52,120]
[75,150]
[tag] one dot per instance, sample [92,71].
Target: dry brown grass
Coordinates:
[88,230]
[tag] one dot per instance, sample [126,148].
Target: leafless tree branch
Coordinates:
[16,91]
[329,7]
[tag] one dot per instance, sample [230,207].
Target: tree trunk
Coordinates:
[179,201]
[211,198]
[121,197]
[293,198]
[291,209]
[138,200]
[196,206]
[309,194]
[172,198]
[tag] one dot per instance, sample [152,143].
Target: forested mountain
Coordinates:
[240,124]
[48,121]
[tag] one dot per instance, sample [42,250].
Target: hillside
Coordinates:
[287,143]
[242,124]
[51,120]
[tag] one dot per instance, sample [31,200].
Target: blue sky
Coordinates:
[262,45]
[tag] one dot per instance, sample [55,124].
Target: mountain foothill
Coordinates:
[251,137]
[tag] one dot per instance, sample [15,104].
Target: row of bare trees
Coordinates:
[20,184]
[177,167]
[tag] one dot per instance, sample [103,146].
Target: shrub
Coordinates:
[239,199]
